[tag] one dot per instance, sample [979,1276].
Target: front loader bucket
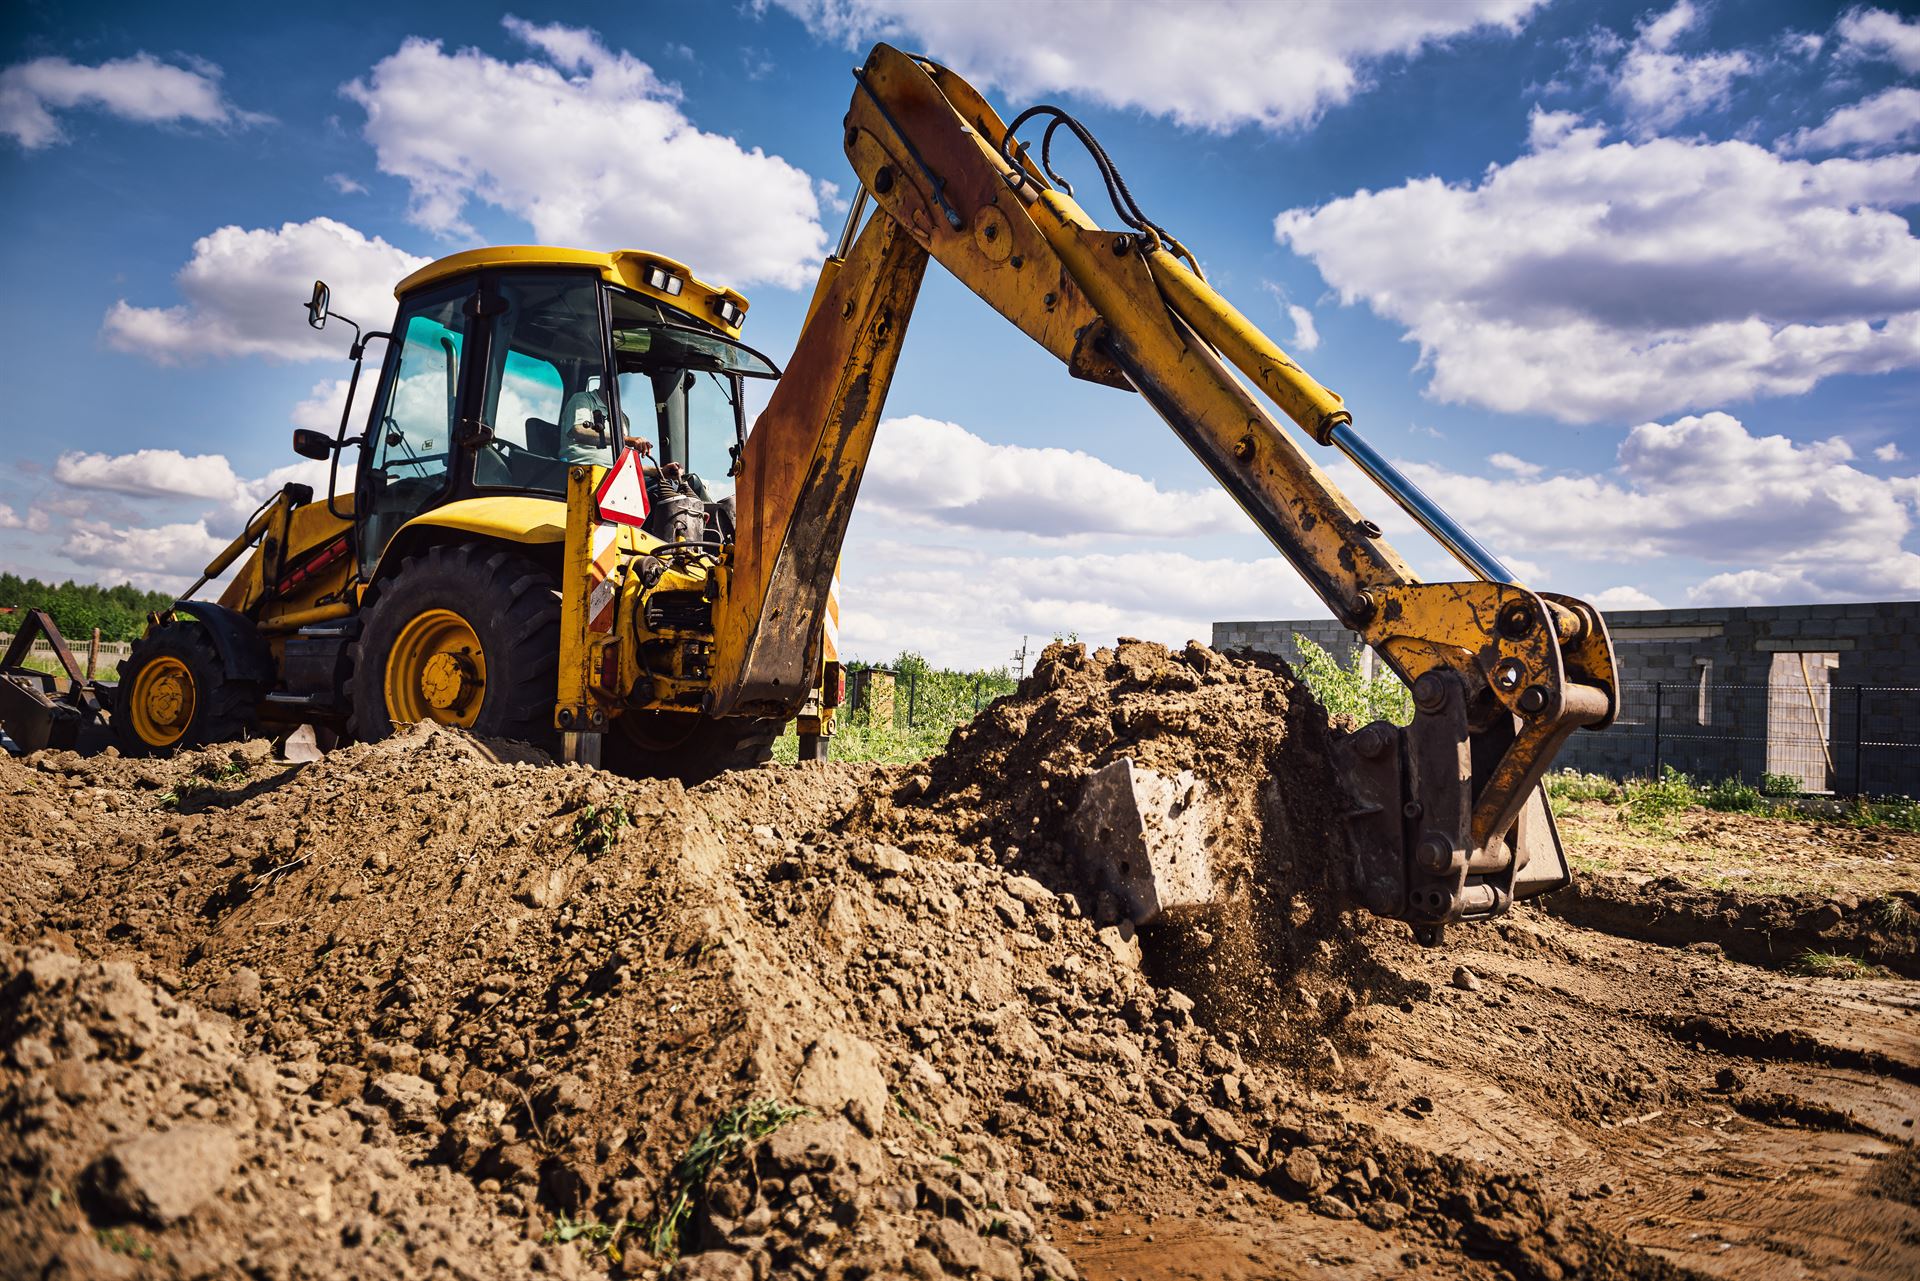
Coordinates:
[33,711]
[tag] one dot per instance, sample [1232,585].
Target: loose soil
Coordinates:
[436,1005]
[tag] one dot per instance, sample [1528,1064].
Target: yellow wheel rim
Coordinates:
[163,701]
[436,671]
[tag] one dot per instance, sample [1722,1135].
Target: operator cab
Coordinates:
[506,367]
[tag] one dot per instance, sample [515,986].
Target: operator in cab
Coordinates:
[589,433]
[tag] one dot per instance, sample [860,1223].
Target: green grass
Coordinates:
[1901,813]
[120,1241]
[855,738]
[108,669]
[1833,965]
[1735,796]
[1650,804]
[724,1140]
[1891,913]
[204,782]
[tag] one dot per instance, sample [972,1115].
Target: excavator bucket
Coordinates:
[34,711]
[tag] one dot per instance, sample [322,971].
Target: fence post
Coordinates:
[1859,719]
[913,691]
[1659,690]
[93,652]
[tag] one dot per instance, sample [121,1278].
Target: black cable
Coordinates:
[1122,197]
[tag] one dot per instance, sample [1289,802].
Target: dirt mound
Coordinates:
[829,1021]
[143,1137]
[1760,929]
[1278,962]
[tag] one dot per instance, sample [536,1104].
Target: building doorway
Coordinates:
[1800,718]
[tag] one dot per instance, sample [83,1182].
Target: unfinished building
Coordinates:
[1828,695]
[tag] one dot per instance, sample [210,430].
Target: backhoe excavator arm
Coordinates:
[1447,822]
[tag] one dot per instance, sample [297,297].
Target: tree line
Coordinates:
[77,608]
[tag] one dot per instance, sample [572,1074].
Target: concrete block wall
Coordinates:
[1877,646]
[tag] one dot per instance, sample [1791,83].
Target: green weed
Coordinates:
[1891,912]
[722,1141]
[1833,965]
[1650,802]
[120,1241]
[1779,785]
[1735,796]
[598,1238]
[1572,786]
[594,829]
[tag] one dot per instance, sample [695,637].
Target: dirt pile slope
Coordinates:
[827,1021]
[1279,962]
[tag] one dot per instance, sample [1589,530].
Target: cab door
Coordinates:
[409,464]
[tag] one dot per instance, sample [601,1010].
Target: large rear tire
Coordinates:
[689,747]
[175,693]
[466,636]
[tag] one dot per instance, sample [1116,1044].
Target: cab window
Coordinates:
[545,397]
[408,464]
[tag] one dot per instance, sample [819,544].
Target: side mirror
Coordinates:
[317,305]
[309,443]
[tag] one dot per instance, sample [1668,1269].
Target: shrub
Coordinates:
[1780,785]
[1571,786]
[1734,796]
[1654,800]
[1348,691]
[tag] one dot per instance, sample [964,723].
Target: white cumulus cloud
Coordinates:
[1888,119]
[1660,87]
[1591,279]
[161,557]
[592,149]
[1306,334]
[1518,466]
[971,607]
[142,89]
[1889,453]
[1612,598]
[1210,64]
[245,294]
[9,519]
[1880,35]
[150,473]
[929,472]
[1766,508]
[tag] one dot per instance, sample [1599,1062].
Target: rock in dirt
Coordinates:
[843,1072]
[1465,979]
[301,746]
[1143,837]
[163,1178]
[411,1100]
[713,1265]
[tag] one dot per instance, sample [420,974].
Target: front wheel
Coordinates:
[175,692]
[466,636]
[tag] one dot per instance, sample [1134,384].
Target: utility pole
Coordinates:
[1020,656]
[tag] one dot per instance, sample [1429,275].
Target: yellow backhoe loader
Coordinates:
[560,529]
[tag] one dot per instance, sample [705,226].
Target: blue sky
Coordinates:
[1633,289]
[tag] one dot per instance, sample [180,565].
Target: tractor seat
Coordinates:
[543,437]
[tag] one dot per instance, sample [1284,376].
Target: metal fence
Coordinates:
[915,698]
[1845,740]
[106,654]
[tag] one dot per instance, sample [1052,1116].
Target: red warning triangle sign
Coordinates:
[622,495]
